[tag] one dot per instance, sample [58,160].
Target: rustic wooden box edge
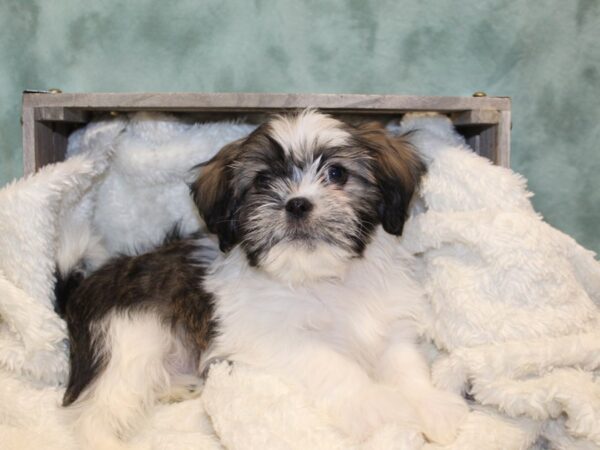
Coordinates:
[49,118]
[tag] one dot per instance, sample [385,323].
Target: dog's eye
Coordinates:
[337,174]
[262,180]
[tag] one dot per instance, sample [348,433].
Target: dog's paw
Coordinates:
[183,387]
[442,413]
[212,362]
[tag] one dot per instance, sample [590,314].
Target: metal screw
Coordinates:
[479,94]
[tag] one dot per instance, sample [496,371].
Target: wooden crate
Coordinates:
[48,117]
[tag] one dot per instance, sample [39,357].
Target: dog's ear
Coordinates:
[398,171]
[215,196]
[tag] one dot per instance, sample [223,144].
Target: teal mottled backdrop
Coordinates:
[543,54]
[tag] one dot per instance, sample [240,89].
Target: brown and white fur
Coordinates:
[310,285]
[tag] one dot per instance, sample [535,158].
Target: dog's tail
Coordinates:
[64,288]
[79,250]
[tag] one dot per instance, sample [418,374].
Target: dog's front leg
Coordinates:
[355,402]
[403,366]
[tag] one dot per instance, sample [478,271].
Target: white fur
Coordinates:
[79,244]
[300,133]
[296,264]
[136,347]
[350,341]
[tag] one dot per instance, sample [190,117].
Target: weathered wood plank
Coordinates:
[43,142]
[44,145]
[60,140]
[61,114]
[475,117]
[503,140]
[260,101]
[488,143]
[28,135]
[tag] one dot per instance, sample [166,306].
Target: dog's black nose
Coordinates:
[298,207]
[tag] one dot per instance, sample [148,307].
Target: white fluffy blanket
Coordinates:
[515,302]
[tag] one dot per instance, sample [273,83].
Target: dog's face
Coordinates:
[303,194]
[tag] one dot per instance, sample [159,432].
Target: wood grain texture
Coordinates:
[258,101]
[28,135]
[475,117]
[50,143]
[503,139]
[61,114]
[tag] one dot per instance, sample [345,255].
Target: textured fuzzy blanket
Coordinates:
[515,302]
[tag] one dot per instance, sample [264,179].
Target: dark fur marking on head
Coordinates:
[214,195]
[398,172]
[219,190]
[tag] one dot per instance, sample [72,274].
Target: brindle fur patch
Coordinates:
[167,281]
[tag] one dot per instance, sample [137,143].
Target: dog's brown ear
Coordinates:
[398,172]
[215,196]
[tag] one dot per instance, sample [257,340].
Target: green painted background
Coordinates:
[544,54]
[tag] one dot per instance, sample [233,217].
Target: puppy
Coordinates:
[310,284]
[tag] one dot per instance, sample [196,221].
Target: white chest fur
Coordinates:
[265,322]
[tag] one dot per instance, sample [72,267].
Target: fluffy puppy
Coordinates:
[310,284]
